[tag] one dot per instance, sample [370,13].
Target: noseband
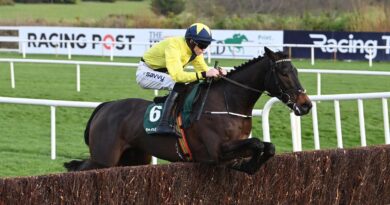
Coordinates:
[283,94]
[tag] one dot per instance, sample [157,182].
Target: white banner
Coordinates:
[134,42]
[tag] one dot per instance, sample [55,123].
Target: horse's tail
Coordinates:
[86,131]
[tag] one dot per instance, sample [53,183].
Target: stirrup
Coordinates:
[164,128]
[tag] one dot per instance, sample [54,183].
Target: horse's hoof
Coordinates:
[269,149]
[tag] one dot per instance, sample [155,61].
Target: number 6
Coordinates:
[155,113]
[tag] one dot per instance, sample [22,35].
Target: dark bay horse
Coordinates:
[116,137]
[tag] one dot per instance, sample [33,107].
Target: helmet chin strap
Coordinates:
[191,45]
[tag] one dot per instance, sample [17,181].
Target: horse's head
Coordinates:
[282,82]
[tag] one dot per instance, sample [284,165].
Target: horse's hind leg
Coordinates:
[129,157]
[133,156]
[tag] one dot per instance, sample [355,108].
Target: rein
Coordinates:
[250,88]
[227,112]
[240,84]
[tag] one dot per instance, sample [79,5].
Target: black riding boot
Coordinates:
[163,128]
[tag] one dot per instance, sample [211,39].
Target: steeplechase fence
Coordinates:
[339,176]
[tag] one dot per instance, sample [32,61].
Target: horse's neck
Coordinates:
[253,76]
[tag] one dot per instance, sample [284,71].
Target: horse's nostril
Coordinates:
[310,105]
[307,105]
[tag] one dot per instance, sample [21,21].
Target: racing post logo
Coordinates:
[79,41]
[119,42]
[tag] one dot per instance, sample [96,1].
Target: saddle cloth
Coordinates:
[182,120]
[154,112]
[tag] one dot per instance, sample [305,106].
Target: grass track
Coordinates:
[25,130]
[87,11]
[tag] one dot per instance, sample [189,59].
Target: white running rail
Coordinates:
[295,121]
[53,104]
[348,72]
[60,103]
[78,64]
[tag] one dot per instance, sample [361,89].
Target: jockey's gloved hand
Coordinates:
[213,73]
[222,71]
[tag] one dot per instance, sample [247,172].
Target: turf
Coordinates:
[83,10]
[25,129]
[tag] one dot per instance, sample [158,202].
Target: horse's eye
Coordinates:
[284,72]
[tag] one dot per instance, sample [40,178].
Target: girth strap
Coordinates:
[185,152]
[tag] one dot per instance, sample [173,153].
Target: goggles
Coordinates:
[202,44]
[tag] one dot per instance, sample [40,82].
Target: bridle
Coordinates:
[282,94]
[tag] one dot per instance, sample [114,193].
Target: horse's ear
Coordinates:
[270,54]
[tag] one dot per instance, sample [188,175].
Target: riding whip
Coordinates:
[207,93]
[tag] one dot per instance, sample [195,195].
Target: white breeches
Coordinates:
[150,79]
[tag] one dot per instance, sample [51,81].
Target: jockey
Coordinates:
[162,67]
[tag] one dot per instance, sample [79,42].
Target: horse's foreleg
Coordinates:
[237,150]
[82,165]
[268,152]
[89,164]
[241,148]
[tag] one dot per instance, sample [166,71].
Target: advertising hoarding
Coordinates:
[351,45]
[131,42]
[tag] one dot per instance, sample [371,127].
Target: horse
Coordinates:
[116,136]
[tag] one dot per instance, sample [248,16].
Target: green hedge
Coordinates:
[6,2]
[110,1]
[168,7]
[47,1]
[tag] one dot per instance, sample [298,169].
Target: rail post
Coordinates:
[361,123]
[78,77]
[312,55]
[12,74]
[386,120]
[315,126]
[53,132]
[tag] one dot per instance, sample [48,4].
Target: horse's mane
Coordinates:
[253,61]
[246,64]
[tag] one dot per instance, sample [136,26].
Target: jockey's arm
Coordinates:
[201,66]
[175,67]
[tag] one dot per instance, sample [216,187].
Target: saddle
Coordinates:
[181,117]
[182,111]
